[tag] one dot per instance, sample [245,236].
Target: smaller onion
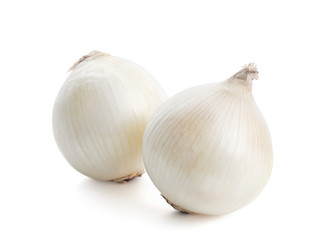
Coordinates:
[100,115]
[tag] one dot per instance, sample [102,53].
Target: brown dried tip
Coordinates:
[176,207]
[92,54]
[249,72]
[127,178]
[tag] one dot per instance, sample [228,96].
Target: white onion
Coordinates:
[100,115]
[208,149]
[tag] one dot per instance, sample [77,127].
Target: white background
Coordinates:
[182,43]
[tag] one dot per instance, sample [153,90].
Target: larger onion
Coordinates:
[208,149]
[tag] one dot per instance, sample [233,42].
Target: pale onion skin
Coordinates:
[208,149]
[100,115]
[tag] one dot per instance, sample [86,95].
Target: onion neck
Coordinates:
[91,55]
[245,76]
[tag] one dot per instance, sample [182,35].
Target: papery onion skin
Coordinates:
[208,149]
[100,115]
